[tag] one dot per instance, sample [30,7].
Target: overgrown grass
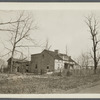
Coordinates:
[31,84]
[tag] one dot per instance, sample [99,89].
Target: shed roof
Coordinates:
[18,60]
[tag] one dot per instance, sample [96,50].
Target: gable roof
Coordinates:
[63,54]
[56,56]
[36,54]
[64,57]
[53,54]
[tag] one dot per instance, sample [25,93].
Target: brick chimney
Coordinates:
[56,51]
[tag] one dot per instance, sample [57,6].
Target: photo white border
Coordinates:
[49,6]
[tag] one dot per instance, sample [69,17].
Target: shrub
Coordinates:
[57,74]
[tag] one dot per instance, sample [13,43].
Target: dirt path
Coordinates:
[90,88]
[94,89]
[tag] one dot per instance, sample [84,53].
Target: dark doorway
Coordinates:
[47,67]
[17,69]
[65,65]
[26,70]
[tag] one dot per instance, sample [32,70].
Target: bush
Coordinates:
[68,73]
[57,74]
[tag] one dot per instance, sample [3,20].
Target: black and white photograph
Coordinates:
[50,49]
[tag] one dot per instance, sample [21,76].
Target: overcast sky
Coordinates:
[61,27]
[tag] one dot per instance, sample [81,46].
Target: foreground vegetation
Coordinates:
[29,83]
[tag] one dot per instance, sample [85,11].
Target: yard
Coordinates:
[45,84]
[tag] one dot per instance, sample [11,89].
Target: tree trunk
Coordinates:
[11,67]
[95,58]
[95,67]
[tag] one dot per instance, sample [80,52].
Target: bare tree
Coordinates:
[19,31]
[47,46]
[83,60]
[93,25]
[66,50]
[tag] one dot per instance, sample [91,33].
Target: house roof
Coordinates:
[35,54]
[18,60]
[56,56]
[74,61]
[63,54]
[69,58]
[53,54]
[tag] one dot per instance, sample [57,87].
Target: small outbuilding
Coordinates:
[19,65]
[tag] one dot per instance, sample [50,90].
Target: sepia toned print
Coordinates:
[49,51]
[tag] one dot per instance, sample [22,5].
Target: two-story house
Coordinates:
[50,61]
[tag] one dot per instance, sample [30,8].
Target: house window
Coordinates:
[26,64]
[47,67]
[48,70]
[36,66]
